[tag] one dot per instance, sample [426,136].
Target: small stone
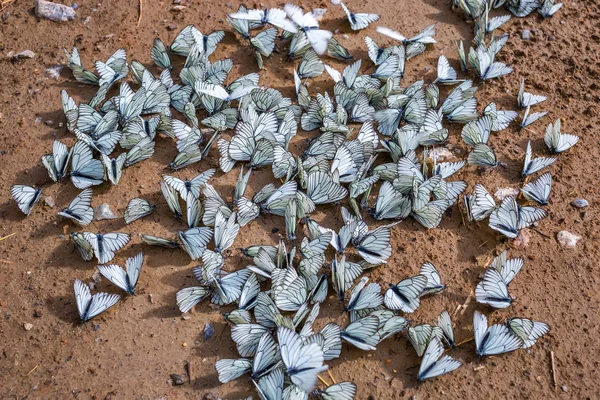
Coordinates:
[28,326]
[567,239]
[177,379]
[580,203]
[50,202]
[336,2]
[208,331]
[523,239]
[74,6]
[54,12]
[96,328]
[526,34]
[103,211]
[171,27]
[503,193]
[564,388]
[54,72]
[550,38]
[22,54]
[211,396]
[185,317]
[275,230]
[178,8]
[37,313]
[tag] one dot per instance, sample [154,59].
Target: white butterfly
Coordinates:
[270,387]
[136,209]
[79,209]
[424,37]
[302,362]
[529,331]
[509,218]
[556,141]
[493,290]
[525,99]
[434,282]
[359,21]
[186,187]
[114,167]
[226,230]
[483,62]
[446,75]
[421,335]
[57,162]
[220,93]
[90,306]
[405,295]
[548,8]
[339,391]
[114,69]
[364,296]
[432,365]
[362,333]
[307,23]
[529,119]
[194,241]
[496,339]
[124,279]
[85,170]
[105,245]
[83,246]
[273,16]
[445,324]
[229,370]
[480,204]
[25,196]
[538,190]
[187,298]
[531,166]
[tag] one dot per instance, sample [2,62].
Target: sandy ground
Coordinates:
[131,350]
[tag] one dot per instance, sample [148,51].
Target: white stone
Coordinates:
[567,239]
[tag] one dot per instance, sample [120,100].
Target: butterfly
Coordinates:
[307,23]
[194,241]
[424,37]
[405,295]
[509,218]
[229,369]
[531,166]
[362,333]
[480,204]
[205,45]
[79,209]
[359,21]
[158,241]
[26,197]
[57,162]
[556,141]
[127,279]
[272,16]
[493,340]
[136,209]
[90,306]
[525,99]
[310,66]
[538,190]
[105,245]
[114,69]
[187,298]
[529,119]
[434,283]
[446,75]
[483,63]
[302,362]
[114,167]
[189,186]
[432,365]
[80,73]
[548,8]
[529,331]
[445,324]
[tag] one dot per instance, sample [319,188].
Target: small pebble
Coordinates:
[177,379]
[567,239]
[96,328]
[22,54]
[28,326]
[171,27]
[336,2]
[526,34]
[50,202]
[185,317]
[54,12]
[564,388]
[103,211]
[580,203]
[208,331]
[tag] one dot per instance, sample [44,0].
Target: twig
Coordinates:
[465,341]
[321,379]
[540,233]
[34,368]
[483,244]
[188,371]
[140,16]
[4,4]
[6,261]
[464,305]
[553,366]
[331,376]
[7,236]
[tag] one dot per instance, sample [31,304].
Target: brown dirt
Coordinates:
[131,350]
